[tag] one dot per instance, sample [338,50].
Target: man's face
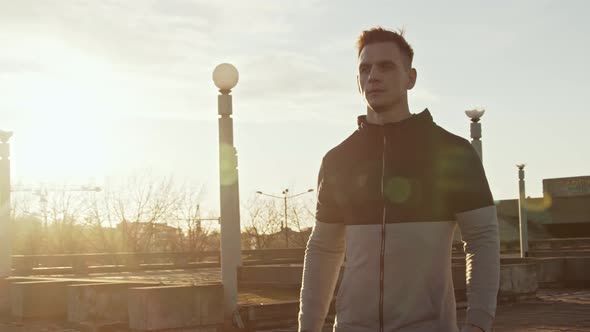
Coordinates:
[384,76]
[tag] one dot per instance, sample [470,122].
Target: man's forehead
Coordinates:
[379,52]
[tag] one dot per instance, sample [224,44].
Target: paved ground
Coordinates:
[552,310]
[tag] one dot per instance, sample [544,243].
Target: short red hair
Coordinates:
[380,35]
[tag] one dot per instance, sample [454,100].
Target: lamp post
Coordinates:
[5,233]
[285,198]
[225,77]
[522,217]
[475,115]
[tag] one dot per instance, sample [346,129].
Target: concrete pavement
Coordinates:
[551,311]
[555,310]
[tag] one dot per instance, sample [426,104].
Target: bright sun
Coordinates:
[63,130]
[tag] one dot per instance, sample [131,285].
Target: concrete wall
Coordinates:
[100,303]
[40,299]
[175,307]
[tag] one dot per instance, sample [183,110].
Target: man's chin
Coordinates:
[380,108]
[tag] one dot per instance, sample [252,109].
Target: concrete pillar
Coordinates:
[230,207]
[476,138]
[475,115]
[225,77]
[5,222]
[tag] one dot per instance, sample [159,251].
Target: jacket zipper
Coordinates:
[382,256]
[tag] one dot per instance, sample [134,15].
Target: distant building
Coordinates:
[151,236]
[563,211]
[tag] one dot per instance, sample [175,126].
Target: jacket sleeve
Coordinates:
[476,216]
[323,258]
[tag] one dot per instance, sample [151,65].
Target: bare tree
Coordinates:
[27,235]
[100,224]
[141,206]
[64,230]
[26,225]
[262,227]
[196,227]
[263,220]
[144,213]
[300,221]
[150,214]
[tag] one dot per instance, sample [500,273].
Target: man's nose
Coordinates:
[374,75]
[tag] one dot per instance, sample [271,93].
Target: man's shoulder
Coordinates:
[454,152]
[344,148]
[451,149]
[449,140]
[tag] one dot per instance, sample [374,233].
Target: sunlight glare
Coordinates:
[69,106]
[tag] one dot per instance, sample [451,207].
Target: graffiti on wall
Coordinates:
[567,187]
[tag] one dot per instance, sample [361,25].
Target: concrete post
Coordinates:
[476,137]
[285,228]
[522,217]
[5,223]
[475,115]
[230,205]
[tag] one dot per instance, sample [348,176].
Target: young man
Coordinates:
[389,199]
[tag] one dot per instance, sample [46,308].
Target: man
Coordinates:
[389,199]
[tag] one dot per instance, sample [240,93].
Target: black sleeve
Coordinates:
[469,188]
[327,209]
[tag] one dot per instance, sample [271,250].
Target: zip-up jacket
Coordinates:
[389,199]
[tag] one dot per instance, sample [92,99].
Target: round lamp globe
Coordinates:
[225,76]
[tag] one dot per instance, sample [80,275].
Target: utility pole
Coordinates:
[286,228]
[522,217]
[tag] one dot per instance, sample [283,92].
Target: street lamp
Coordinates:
[285,197]
[475,115]
[522,217]
[5,234]
[225,77]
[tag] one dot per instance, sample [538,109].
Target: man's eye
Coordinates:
[364,69]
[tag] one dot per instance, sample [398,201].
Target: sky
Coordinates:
[95,91]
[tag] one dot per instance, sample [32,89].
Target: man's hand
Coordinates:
[471,328]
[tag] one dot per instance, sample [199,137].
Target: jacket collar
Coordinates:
[416,120]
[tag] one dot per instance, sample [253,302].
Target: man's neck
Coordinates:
[389,116]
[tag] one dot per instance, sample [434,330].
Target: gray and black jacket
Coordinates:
[389,199]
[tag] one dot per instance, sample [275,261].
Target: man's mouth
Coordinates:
[374,91]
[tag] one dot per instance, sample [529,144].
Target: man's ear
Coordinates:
[412,75]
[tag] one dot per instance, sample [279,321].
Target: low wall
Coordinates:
[99,303]
[39,299]
[515,279]
[577,271]
[175,307]
[118,262]
[91,305]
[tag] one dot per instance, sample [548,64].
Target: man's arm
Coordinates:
[476,216]
[323,257]
[479,230]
